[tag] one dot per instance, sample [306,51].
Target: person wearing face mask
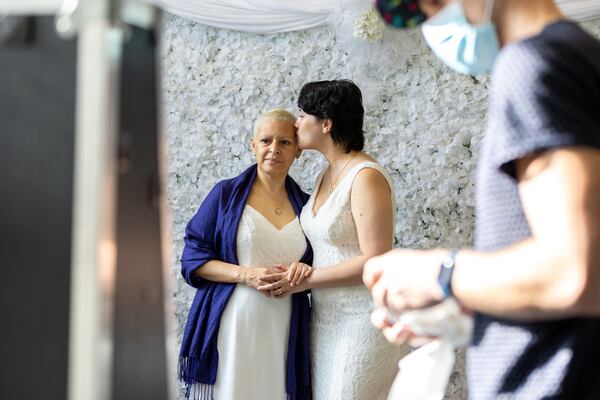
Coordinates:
[532,280]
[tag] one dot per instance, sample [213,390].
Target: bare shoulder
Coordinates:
[371,196]
[370,181]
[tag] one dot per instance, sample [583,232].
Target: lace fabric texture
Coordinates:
[254,330]
[350,358]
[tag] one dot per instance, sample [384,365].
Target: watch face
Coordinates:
[448,262]
[401,13]
[445,276]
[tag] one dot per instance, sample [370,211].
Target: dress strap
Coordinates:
[343,192]
[348,180]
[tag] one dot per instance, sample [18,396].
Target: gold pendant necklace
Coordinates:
[340,174]
[278,210]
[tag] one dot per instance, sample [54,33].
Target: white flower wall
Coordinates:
[423,123]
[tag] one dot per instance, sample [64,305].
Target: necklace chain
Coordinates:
[333,181]
[278,208]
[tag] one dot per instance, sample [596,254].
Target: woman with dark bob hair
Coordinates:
[348,219]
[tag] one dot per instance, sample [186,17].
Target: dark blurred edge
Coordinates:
[37,104]
[140,360]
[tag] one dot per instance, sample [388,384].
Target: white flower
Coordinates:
[368,26]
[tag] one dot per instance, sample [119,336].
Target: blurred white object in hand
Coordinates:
[424,373]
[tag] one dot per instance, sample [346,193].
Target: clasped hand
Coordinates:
[282,280]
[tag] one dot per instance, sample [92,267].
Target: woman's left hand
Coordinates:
[296,272]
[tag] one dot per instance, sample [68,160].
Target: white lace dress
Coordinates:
[351,360]
[254,330]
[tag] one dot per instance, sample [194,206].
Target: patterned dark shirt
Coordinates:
[545,95]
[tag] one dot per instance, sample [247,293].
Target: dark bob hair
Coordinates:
[340,101]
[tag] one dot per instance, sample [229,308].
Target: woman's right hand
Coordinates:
[285,279]
[255,277]
[251,276]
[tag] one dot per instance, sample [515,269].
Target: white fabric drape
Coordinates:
[273,16]
[255,16]
[580,10]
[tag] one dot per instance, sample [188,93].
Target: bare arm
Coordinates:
[372,211]
[556,273]
[219,271]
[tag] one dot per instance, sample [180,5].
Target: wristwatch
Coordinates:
[445,275]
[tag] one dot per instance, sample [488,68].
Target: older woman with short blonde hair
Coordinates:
[240,343]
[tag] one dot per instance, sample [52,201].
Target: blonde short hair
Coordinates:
[276,114]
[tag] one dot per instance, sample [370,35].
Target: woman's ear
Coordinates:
[327,125]
[253,145]
[298,153]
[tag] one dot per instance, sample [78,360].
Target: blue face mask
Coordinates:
[466,48]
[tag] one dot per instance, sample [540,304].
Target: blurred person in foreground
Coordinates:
[533,278]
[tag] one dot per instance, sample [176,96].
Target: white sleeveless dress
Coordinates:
[351,360]
[254,330]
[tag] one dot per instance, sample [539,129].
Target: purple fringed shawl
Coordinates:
[211,234]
